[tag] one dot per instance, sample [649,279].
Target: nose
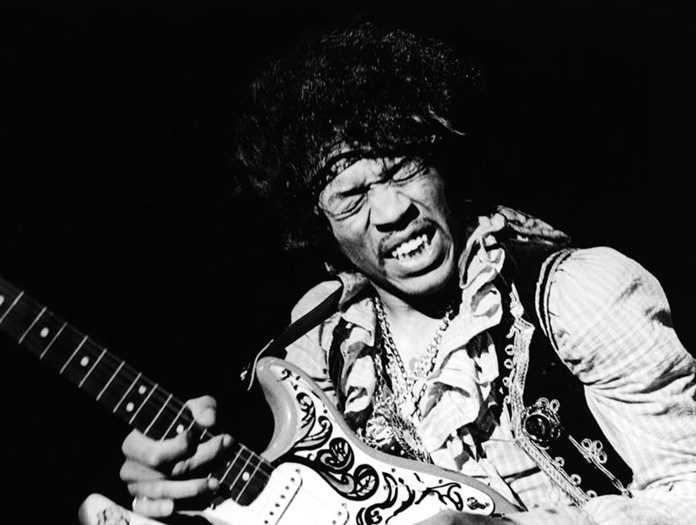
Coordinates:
[390,209]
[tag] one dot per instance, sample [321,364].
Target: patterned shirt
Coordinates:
[609,322]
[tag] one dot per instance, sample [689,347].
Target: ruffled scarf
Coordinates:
[457,405]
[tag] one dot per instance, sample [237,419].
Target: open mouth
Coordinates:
[412,247]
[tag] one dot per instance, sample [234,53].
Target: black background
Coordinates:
[114,208]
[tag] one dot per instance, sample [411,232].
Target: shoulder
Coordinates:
[313,297]
[598,274]
[602,310]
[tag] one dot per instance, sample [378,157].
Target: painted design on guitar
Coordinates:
[113,515]
[323,446]
[335,461]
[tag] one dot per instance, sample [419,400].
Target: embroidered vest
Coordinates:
[550,417]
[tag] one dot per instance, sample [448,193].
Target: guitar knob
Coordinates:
[475,504]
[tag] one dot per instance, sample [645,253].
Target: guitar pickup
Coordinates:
[283,488]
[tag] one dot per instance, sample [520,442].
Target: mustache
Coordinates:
[393,239]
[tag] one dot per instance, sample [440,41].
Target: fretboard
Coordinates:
[127,393]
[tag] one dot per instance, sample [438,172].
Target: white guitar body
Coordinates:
[325,475]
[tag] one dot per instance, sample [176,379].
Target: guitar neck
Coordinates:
[127,393]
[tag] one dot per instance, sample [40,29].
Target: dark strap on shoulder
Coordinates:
[276,347]
[336,361]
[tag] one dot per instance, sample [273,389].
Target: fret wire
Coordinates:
[223,479]
[127,392]
[240,470]
[73,354]
[31,325]
[123,378]
[110,380]
[60,330]
[262,462]
[157,415]
[263,467]
[251,476]
[185,417]
[263,470]
[166,433]
[178,408]
[92,367]
[188,420]
[11,306]
[130,421]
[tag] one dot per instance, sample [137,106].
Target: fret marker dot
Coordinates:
[2,299]
[130,407]
[245,476]
[44,332]
[142,390]
[84,361]
[179,429]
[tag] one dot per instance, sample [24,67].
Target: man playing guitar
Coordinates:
[463,330]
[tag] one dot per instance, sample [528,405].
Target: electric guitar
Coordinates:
[315,470]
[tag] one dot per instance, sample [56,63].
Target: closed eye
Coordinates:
[352,192]
[408,169]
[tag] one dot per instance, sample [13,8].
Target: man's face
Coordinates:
[391,219]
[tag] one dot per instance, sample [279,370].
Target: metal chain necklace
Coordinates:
[404,383]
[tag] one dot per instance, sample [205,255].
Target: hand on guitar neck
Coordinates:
[167,475]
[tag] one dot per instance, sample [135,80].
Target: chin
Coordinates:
[421,286]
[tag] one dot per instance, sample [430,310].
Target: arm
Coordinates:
[610,322]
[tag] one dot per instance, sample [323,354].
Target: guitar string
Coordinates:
[118,371]
[173,410]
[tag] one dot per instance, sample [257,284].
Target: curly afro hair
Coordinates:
[373,91]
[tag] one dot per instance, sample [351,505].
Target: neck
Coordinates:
[404,308]
[412,325]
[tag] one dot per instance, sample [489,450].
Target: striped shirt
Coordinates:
[609,321]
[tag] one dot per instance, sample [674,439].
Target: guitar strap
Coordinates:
[276,347]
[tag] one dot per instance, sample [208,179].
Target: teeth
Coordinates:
[409,248]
